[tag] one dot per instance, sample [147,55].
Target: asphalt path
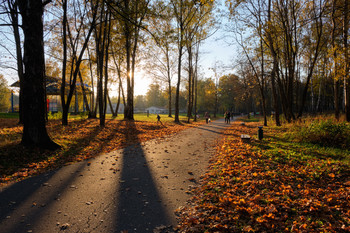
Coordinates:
[135,189]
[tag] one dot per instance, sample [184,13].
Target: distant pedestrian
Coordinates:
[228,117]
[207,117]
[158,119]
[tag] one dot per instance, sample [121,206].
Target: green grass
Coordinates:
[250,119]
[324,141]
[9,115]
[137,117]
[323,132]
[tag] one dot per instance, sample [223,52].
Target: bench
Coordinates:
[245,137]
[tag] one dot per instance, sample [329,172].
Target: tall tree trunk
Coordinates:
[275,66]
[92,113]
[121,89]
[319,30]
[84,93]
[34,99]
[346,56]
[64,64]
[100,43]
[110,105]
[169,99]
[75,68]
[180,20]
[129,92]
[177,96]
[196,81]
[169,80]
[107,35]
[190,74]
[262,82]
[118,103]
[13,12]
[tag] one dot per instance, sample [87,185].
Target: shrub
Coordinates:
[54,116]
[325,133]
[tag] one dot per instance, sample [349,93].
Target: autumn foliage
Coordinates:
[81,139]
[269,186]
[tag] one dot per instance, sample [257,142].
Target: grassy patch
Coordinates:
[250,119]
[328,133]
[9,115]
[273,185]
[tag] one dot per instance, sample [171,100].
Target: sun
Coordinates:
[142,83]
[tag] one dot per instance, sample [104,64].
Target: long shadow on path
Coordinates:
[140,207]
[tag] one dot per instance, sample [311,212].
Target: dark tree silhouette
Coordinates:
[34,96]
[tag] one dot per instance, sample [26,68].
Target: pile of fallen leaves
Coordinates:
[254,187]
[81,139]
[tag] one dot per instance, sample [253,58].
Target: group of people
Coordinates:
[227,117]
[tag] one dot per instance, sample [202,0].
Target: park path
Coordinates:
[135,189]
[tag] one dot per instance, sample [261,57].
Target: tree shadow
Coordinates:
[18,196]
[140,207]
[17,158]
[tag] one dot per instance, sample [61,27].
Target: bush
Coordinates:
[325,133]
[54,116]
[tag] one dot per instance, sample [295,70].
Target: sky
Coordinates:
[212,51]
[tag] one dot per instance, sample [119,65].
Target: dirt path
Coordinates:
[135,189]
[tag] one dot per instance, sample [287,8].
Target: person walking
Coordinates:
[207,117]
[158,120]
[228,115]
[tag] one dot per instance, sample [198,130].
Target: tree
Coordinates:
[140,102]
[102,32]
[206,96]
[34,98]
[161,56]
[231,92]
[73,38]
[334,55]
[255,33]
[10,7]
[315,48]
[346,60]
[195,33]
[184,11]
[132,14]
[5,94]
[154,96]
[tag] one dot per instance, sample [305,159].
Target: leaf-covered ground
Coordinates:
[273,185]
[81,139]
